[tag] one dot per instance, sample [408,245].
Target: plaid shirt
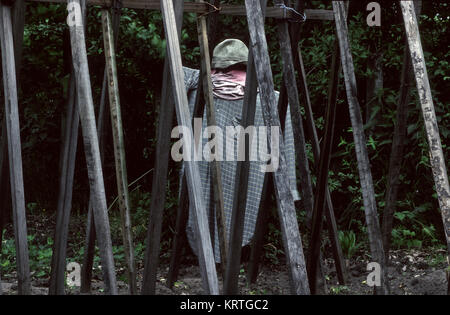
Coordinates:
[228,113]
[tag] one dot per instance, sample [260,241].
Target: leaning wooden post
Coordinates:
[58,264]
[365,175]
[4,178]
[288,217]
[14,150]
[211,119]
[160,176]
[241,178]
[323,166]
[205,252]
[434,141]
[291,92]
[183,206]
[398,143]
[290,82]
[88,257]
[3,184]
[312,132]
[67,169]
[87,116]
[119,148]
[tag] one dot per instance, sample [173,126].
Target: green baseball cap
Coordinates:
[228,53]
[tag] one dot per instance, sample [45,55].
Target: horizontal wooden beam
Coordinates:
[204,8]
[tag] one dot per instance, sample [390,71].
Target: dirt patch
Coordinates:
[410,272]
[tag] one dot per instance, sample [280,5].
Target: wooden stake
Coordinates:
[241,179]
[365,175]
[92,152]
[324,199]
[4,178]
[68,157]
[119,148]
[14,149]
[102,119]
[211,121]
[434,141]
[311,128]
[323,167]
[183,205]
[160,176]
[205,252]
[3,185]
[288,218]
[67,169]
[290,83]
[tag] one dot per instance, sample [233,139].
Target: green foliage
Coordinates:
[40,254]
[412,229]
[349,244]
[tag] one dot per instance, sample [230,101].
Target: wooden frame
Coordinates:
[174,94]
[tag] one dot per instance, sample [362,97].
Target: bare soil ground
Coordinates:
[411,272]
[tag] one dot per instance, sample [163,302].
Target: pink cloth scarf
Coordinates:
[228,85]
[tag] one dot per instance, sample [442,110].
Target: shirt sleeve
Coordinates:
[289,151]
[191,83]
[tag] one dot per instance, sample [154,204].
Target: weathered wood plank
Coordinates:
[67,169]
[3,184]
[365,175]
[322,188]
[291,95]
[312,132]
[179,237]
[4,178]
[211,121]
[202,8]
[437,158]
[241,177]
[205,252]
[158,199]
[398,143]
[119,148]
[290,83]
[326,149]
[102,121]
[68,157]
[14,149]
[18,21]
[92,152]
[288,218]
[182,210]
